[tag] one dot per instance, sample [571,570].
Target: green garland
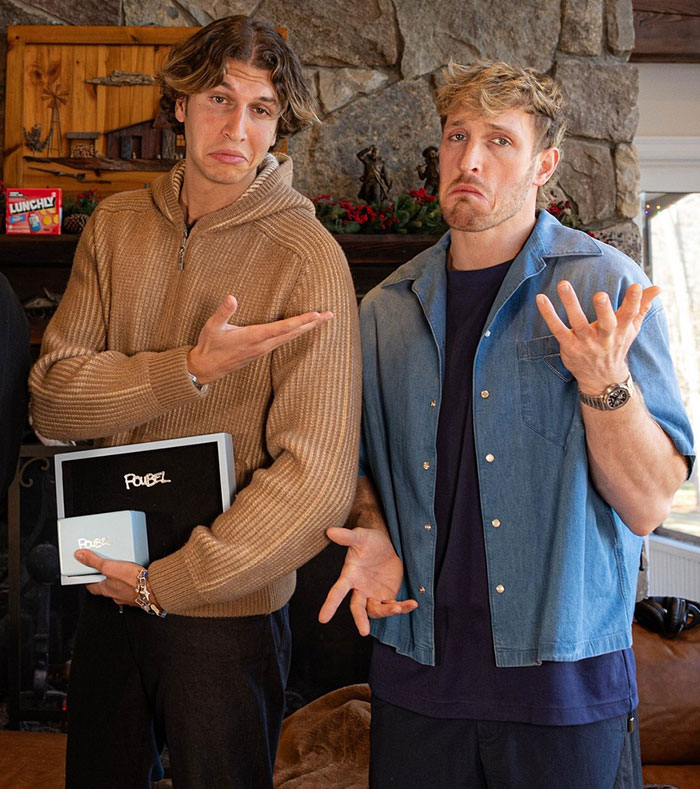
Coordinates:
[415,212]
[412,212]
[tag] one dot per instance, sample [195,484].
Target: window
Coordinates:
[671,234]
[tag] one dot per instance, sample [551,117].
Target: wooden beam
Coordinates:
[71,34]
[666,32]
[14,106]
[682,7]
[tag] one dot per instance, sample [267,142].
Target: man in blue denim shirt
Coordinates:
[510,466]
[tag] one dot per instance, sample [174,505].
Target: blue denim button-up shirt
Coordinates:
[562,567]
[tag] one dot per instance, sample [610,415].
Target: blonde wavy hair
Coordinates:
[491,87]
[199,63]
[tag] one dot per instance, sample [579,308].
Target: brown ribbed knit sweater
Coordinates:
[113,368]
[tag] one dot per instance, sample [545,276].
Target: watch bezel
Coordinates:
[615,391]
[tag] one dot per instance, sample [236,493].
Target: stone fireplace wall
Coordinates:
[374,66]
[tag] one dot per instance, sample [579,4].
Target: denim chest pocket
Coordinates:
[548,391]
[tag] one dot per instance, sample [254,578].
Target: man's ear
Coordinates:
[546,164]
[180,108]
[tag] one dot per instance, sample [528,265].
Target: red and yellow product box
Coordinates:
[35,211]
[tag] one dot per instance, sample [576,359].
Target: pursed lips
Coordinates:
[466,189]
[228,157]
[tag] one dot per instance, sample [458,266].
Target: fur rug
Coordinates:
[326,743]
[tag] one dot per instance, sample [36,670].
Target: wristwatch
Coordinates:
[614,396]
[200,387]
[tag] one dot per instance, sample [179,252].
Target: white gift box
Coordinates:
[113,535]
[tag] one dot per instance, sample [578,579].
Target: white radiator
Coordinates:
[674,568]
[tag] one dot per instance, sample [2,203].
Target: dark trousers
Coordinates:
[212,689]
[412,751]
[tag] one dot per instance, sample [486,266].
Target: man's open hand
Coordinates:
[223,348]
[596,353]
[373,572]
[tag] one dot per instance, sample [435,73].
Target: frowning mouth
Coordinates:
[228,157]
[463,190]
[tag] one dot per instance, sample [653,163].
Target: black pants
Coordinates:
[212,689]
[412,751]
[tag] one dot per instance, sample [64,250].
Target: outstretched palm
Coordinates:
[596,353]
[373,572]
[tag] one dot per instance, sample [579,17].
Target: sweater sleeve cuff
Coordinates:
[167,375]
[173,585]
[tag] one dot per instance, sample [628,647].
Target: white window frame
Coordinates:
[667,164]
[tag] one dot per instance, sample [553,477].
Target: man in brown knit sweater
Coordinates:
[142,348]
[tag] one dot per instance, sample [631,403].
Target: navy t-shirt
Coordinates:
[465,682]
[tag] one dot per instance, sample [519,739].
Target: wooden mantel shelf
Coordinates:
[42,251]
[385,249]
[37,263]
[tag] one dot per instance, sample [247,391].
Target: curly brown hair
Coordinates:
[490,87]
[199,63]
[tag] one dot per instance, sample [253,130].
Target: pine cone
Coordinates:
[74,223]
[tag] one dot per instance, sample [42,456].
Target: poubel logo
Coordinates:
[147,480]
[98,542]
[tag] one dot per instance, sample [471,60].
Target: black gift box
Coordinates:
[179,483]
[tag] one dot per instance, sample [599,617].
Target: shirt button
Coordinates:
[490,458]
[485,393]
[495,523]
[426,465]
[421,590]
[500,588]
[427,527]
[487,333]
[433,403]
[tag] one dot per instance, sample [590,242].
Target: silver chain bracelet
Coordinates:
[143,595]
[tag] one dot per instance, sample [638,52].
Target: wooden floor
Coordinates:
[32,759]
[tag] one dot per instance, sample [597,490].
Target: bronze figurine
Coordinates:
[430,171]
[375,180]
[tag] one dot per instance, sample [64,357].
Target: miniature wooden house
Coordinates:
[137,141]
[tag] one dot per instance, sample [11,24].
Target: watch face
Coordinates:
[618,397]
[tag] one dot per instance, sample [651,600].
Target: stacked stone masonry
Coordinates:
[374,65]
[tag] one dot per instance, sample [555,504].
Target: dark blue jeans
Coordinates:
[412,751]
[211,689]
